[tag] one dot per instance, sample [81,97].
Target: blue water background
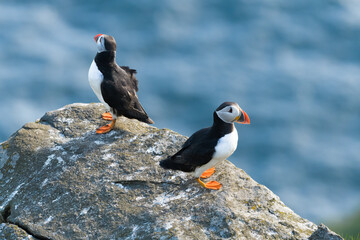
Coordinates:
[293,66]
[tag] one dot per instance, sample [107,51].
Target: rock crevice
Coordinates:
[5,213]
[9,229]
[66,182]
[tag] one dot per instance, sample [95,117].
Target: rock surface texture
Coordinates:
[60,180]
[324,233]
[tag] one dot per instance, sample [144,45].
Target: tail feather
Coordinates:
[148,120]
[142,115]
[168,163]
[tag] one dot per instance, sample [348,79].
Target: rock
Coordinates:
[10,231]
[324,233]
[60,180]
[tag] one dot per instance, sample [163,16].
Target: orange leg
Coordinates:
[208,173]
[107,128]
[107,116]
[210,185]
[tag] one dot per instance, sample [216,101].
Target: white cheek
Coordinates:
[225,116]
[100,45]
[236,112]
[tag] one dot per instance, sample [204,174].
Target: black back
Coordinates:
[119,87]
[131,73]
[199,148]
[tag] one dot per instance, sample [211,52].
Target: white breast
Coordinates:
[226,145]
[224,148]
[95,80]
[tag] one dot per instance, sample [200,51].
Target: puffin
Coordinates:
[207,147]
[115,86]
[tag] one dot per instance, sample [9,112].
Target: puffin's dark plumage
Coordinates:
[131,73]
[198,149]
[115,86]
[209,146]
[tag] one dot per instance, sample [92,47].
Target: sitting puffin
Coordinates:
[209,146]
[114,86]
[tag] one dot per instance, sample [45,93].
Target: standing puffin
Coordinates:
[209,146]
[114,85]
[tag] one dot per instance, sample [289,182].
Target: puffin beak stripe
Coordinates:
[97,36]
[246,119]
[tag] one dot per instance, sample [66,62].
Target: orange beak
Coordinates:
[243,119]
[97,36]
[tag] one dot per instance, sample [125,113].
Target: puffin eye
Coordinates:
[230,110]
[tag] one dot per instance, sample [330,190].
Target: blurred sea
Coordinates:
[293,66]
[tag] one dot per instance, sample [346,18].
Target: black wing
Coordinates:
[131,73]
[196,151]
[119,92]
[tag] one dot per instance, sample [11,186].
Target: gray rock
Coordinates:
[60,180]
[324,233]
[10,231]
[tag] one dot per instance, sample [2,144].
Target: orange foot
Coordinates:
[107,128]
[210,185]
[208,173]
[107,116]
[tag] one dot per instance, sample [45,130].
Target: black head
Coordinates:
[105,43]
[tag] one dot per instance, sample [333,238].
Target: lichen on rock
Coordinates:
[60,180]
[11,231]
